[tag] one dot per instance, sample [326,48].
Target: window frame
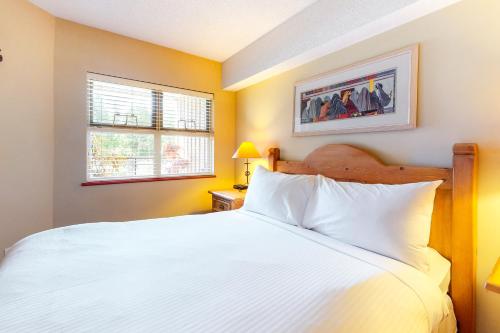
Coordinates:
[156,128]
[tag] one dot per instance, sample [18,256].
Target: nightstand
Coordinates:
[227,199]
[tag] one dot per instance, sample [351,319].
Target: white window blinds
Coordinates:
[143,130]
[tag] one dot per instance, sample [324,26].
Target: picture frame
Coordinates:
[377,94]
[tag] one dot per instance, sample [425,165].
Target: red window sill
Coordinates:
[142,180]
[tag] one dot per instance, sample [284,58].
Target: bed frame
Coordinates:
[453,231]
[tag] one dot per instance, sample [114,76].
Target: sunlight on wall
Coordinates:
[79,49]
[488,236]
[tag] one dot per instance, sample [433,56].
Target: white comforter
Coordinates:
[222,272]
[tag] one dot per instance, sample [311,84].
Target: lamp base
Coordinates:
[240,187]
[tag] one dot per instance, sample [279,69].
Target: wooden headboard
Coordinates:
[453,231]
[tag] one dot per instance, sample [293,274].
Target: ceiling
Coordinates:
[304,38]
[214,29]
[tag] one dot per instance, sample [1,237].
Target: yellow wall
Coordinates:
[27,117]
[79,49]
[459,101]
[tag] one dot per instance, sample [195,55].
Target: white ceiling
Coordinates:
[214,29]
[303,38]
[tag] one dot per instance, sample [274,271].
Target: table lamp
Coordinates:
[493,282]
[246,150]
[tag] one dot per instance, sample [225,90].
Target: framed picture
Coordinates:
[379,94]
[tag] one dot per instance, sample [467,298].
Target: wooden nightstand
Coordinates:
[227,199]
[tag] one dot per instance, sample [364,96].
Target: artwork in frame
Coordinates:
[379,94]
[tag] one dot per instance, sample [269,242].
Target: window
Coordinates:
[140,130]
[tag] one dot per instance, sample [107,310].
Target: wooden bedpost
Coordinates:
[463,287]
[273,158]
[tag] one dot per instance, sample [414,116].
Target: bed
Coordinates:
[238,271]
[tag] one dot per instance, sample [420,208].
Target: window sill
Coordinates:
[142,180]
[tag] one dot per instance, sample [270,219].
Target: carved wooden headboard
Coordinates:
[453,231]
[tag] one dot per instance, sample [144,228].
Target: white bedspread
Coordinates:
[221,272]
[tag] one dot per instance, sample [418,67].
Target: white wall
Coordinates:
[27,117]
[458,102]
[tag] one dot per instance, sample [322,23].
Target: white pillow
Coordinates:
[392,220]
[278,195]
[439,269]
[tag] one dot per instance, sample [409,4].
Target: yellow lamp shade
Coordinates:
[246,150]
[493,282]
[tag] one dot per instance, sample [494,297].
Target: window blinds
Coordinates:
[142,130]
